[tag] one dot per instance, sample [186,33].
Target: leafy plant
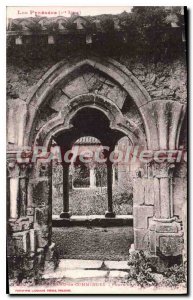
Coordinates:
[107,24]
[143,272]
[175,275]
[141,269]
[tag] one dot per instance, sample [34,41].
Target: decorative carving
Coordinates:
[163,170]
[13,169]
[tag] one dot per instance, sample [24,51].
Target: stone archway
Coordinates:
[70,76]
[107,86]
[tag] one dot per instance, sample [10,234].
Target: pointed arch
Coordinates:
[63,71]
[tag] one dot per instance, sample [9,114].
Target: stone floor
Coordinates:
[96,277]
[91,269]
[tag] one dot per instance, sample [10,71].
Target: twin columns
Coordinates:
[66,213]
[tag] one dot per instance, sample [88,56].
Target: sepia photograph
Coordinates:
[96,150]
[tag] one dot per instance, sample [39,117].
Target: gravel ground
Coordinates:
[110,243]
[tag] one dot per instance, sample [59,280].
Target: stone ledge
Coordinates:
[74,274]
[94,220]
[77,269]
[73,264]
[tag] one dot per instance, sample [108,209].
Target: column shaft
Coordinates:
[65,188]
[14,189]
[65,213]
[113,176]
[165,198]
[92,178]
[157,197]
[109,188]
[109,213]
[23,196]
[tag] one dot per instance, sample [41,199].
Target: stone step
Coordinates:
[68,264]
[117,265]
[76,274]
[78,269]
[80,274]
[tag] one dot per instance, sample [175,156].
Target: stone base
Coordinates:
[65,215]
[166,238]
[110,214]
[158,262]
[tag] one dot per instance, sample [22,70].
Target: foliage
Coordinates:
[144,31]
[52,27]
[93,202]
[143,272]
[124,197]
[141,269]
[107,24]
[70,25]
[101,175]
[175,275]
[81,177]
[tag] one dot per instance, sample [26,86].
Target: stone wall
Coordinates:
[162,80]
[147,102]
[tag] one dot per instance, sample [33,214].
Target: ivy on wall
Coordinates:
[146,30]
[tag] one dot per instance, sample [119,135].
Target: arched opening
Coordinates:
[103,100]
[85,191]
[88,122]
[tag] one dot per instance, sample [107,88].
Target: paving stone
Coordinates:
[118,274]
[57,274]
[67,264]
[118,265]
[85,273]
[76,274]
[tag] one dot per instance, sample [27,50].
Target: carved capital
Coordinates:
[13,169]
[18,170]
[163,170]
[24,170]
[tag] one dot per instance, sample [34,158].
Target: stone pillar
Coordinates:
[166,236]
[113,176]
[39,205]
[163,174]
[109,213]
[92,178]
[20,225]
[39,209]
[13,175]
[65,213]
[23,182]
[143,208]
[18,181]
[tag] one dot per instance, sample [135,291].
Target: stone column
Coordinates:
[92,178]
[109,213]
[23,181]
[65,213]
[143,207]
[113,176]
[165,232]
[39,209]
[39,206]
[163,174]
[13,174]
[18,235]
